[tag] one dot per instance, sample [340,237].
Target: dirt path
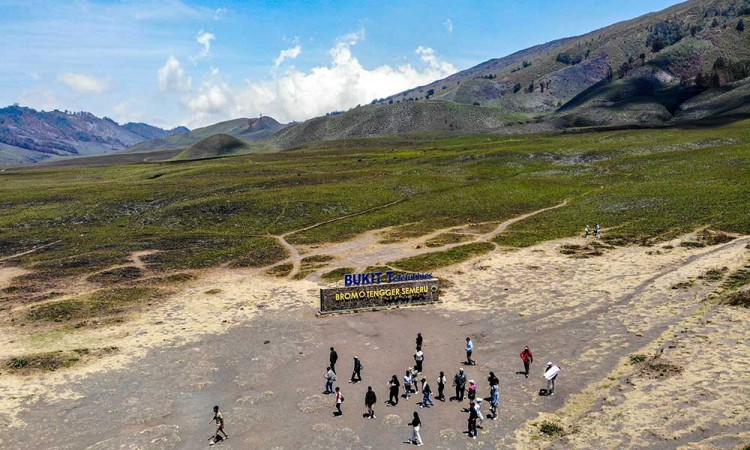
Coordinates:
[27,252]
[252,344]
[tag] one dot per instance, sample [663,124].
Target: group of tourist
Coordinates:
[597,231]
[413,377]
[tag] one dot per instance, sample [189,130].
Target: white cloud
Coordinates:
[289,53]
[220,13]
[300,95]
[172,76]
[204,38]
[448,24]
[82,83]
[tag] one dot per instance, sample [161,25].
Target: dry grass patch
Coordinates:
[102,303]
[51,361]
[281,270]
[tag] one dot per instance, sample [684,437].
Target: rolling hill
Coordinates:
[214,146]
[681,64]
[248,130]
[29,136]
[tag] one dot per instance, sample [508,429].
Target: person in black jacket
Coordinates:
[473,416]
[420,339]
[416,424]
[393,386]
[356,374]
[370,400]
[459,381]
[332,358]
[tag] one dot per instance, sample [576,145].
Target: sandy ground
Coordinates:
[253,345]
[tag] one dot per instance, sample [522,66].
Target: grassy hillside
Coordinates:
[215,146]
[248,130]
[657,69]
[645,185]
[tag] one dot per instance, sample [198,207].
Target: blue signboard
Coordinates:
[365,279]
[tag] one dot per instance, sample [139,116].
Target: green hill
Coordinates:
[214,146]
[248,130]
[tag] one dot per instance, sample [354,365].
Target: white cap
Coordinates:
[549,363]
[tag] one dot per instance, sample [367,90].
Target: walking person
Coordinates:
[332,358]
[218,418]
[418,359]
[471,393]
[459,381]
[416,424]
[597,231]
[419,340]
[586,231]
[330,377]
[473,416]
[339,400]
[527,359]
[370,400]
[426,393]
[393,387]
[408,380]
[480,416]
[441,380]
[357,372]
[550,374]
[494,400]
[469,351]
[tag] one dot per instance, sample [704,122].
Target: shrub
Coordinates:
[637,359]
[551,429]
[741,26]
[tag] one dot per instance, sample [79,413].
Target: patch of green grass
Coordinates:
[737,279]
[683,285]
[436,260]
[281,271]
[714,275]
[118,275]
[637,359]
[551,429]
[101,303]
[51,361]
[740,298]
[336,274]
[447,238]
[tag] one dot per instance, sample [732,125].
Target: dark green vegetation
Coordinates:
[214,146]
[51,361]
[336,274]
[642,186]
[99,304]
[551,429]
[436,260]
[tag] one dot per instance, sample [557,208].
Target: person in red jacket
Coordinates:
[527,358]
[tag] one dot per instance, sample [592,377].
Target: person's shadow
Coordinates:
[337,414]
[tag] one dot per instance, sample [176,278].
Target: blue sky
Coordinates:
[174,62]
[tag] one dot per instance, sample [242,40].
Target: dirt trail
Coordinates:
[27,252]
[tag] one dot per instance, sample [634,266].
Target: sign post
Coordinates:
[369,292]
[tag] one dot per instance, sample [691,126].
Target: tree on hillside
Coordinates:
[642,57]
[657,45]
[516,88]
[741,26]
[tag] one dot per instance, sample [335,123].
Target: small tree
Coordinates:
[741,26]
[642,57]
[657,45]
[516,88]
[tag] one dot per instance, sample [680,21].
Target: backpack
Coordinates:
[342,399]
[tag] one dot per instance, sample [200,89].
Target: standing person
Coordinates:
[441,380]
[492,380]
[598,231]
[472,392]
[478,406]
[459,381]
[527,359]
[416,425]
[393,387]
[550,374]
[407,383]
[370,400]
[419,340]
[418,359]
[218,418]
[586,231]
[330,377]
[414,378]
[494,400]
[473,416]
[332,358]
[469,351]
[339,401]
[357,372]
[426,393]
